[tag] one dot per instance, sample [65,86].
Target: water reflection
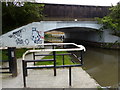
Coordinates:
[54,40]
[102,65]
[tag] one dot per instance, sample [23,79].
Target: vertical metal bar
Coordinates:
[54,56]
[24,73]
[63,60]
[53,47]
[34,57]
[25,64]
[70,76]
[63,57]
[81,55]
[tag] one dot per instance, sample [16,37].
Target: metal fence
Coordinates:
[54,49]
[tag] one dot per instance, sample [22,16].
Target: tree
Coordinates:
[14,16]
[112,21]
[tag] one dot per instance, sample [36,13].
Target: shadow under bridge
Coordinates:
[81,34]
[76,30]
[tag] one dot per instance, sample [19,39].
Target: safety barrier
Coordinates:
[53,50]
[12,63]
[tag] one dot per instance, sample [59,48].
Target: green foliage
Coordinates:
[112,21]
[48,35]
[14,16]
[4,54]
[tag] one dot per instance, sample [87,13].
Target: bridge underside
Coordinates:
[87,36]
[77,33]
[33,33]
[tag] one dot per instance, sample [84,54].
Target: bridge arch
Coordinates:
[83,30]
[53,25]
[81,34]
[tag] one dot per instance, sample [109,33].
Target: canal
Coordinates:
[102,65]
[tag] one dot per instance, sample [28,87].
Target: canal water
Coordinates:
[102,65]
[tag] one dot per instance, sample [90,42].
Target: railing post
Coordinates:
[24,72]
[81,55]
[63,57]
[70,76]
[53,47]
[54,56]
[63,60]
[12,60]
[34,57]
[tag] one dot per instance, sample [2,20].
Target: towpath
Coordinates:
[44,78]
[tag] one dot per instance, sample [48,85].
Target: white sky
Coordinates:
[82,2]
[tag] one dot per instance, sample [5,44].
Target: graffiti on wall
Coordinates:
[36,36]
[17,35]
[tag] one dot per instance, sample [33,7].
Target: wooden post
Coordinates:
[12,60]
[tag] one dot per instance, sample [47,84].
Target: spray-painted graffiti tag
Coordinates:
[17,35]
[36,37]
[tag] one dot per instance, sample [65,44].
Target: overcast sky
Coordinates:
[82,2]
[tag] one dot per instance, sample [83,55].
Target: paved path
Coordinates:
[44,78]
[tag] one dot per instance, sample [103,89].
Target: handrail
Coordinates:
[79,47]
[54,66]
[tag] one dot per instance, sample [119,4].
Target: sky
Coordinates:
[82,2]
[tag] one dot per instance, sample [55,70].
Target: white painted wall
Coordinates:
[109,38]
[51,25]
[25,36]
[33,33]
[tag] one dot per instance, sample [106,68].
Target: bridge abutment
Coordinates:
[82,31]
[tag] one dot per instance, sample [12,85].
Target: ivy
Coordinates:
[112,21]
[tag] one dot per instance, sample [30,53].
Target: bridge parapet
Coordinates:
[52,25]
[70,12]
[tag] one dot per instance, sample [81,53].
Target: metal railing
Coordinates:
[79,48]
[12,62]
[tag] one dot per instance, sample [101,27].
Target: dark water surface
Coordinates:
[102,65]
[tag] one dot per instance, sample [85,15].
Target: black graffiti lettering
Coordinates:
[19,41]
[18,37]
[18,33]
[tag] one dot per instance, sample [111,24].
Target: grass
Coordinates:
[59,60]
[19,53]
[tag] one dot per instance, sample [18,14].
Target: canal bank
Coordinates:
[115,45]
[44,78]
[101,63]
